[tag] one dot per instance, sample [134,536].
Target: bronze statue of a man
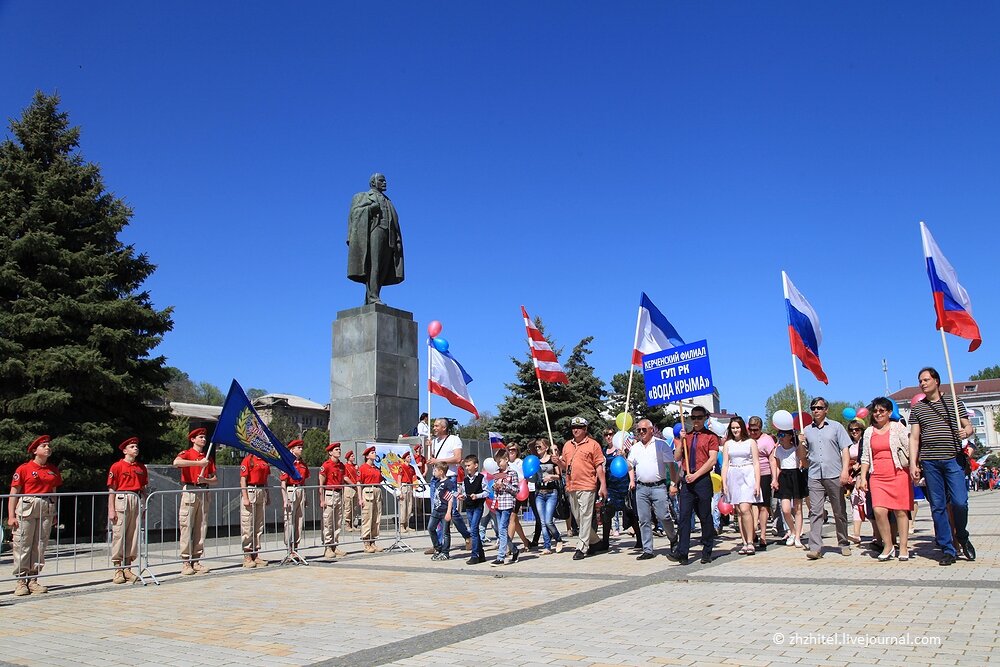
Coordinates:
[375,246]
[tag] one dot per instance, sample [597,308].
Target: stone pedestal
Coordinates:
[374,374]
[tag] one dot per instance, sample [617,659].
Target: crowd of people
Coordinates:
[871,472]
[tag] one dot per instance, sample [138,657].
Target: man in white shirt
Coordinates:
[650,471]
[447,448]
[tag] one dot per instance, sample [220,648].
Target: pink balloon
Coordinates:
[522,490]
[916,399]
[724,507]
[862,413]
[434,328]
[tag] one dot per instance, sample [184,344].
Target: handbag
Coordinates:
[562,503]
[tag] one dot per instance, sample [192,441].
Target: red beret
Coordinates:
[370,449]
[130,441]
[406,453]
[40,440]
[295,443]
[332,446]
[349,454]
[196,432]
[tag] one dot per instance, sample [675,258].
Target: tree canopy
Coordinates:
[990,373]
[76,327]
[637,406]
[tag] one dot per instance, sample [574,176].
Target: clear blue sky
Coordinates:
[564,156]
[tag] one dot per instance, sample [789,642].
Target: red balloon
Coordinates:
[862,413]
[724,507]
[801,423]
[522,490]
[434,328]
[916,399]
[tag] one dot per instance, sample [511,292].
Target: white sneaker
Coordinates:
[798,543]
[790,540]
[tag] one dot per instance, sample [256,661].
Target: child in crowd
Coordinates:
[475,497]
[505,485]
[441,506]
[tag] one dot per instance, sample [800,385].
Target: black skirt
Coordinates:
[792,485]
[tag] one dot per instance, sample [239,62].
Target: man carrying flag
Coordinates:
[197,474]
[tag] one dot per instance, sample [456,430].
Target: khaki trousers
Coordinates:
[332,515]
[295,515]
[405,505]
[350,506]
[252,520]
[371,513]
[29,541]
[193,521]
[582,505]
[125,531]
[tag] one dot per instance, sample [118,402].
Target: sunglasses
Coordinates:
[610,433]
[817,407]
[753,428]
[698,417]
[642,430]
[854,430]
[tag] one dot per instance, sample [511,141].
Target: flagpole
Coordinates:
[798,395]
[426,446]
[545,410]
[951,381]
[631,366]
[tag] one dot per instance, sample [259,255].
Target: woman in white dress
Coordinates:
[741,478]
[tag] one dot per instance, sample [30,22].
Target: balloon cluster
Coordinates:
[434,332]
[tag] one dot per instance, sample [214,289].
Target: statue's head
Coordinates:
[377,181]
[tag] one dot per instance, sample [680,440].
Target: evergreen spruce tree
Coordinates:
[520,416]
[76,330]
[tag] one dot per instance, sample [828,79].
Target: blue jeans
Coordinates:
[442,545]
[456,517]
[545,508]
[475,516]
[946,484]
[503,517]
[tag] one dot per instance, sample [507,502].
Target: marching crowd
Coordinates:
[865,471]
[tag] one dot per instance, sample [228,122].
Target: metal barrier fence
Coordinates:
[69,533]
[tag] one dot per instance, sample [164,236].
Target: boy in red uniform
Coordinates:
[127,482]
[370,479]
[197,474]
[30,516]
[407,477]
[254,472]
[350,492]
[293,494]
[331,499]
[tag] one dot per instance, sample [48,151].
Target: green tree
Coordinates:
[784,399]
[253,393]
[315,441]
[996,422]
[659,414]
[991,373]
[209,394]
[477,428]
[76,329]
[283,428]
[182,389]
[520,416]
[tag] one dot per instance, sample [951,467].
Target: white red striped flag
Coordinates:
[546,364]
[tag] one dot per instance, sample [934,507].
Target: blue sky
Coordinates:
[561,156]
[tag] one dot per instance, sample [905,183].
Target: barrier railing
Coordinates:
[69,533]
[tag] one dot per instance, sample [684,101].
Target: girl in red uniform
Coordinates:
[30,516]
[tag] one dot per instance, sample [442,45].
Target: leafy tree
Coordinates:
[314,448]
[784,399]
[182,389]
[521,416]
[996,422]
[283,428]
[253,393]
[76,329]
[175,439]
[991,373]
[476,429]
[659,414]
[209,394]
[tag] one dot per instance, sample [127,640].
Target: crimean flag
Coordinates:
[449,380]
[653,333]
[951,302]
[804,333]
[547,366]
[240,427]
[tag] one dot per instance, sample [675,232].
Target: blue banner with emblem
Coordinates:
[677,373]
[240,427]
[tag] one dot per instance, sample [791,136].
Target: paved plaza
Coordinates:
[774,608]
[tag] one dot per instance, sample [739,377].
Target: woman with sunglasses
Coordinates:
[856,495]
[546,497]
[741,478]
[886,454]
[789,459]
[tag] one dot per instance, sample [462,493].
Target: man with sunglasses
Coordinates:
[650,471]
[697,460]
[583,462]
[828,447]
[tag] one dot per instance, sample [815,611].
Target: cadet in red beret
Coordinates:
[407,476]
[351,495]
[127,482]
[331,500]
[370,478]
[30,516]
[254,473]
[197,475]
[293,493]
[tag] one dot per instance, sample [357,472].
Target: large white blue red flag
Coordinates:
[496,440]
[449,380]
[951,302]
[804,333]
[546,363]
[654,333]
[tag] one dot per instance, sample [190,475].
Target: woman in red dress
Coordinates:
[886,454]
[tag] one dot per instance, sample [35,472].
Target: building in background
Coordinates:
[981,398]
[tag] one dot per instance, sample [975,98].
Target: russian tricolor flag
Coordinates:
[496,440]
[951,302]
[804,333]
[653,333]
[449,380]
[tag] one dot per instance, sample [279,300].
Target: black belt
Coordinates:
[660,483]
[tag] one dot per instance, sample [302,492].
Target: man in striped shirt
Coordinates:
[935,439]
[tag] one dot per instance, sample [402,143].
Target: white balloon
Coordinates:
[717,426]
[490,466]
[782,420]
[668,435]
[619,440]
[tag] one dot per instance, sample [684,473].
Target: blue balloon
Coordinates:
[440,344]
[530,466]
[895,411]
[489,487]
[850,413]
[619,467]
[677,429]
